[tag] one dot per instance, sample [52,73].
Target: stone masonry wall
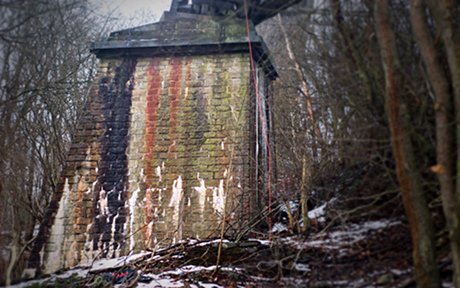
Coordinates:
[162,153]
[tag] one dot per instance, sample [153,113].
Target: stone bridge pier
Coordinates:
[172,141]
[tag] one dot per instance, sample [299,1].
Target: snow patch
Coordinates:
[302,267]
[293,205]
[319,213]
[114,263]
[342,240]
[215,241]
[279,227]
[262,242]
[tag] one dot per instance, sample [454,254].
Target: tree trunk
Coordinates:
[413,196]
[445,131]
[304,186]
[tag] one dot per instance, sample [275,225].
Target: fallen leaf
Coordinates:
[437,169]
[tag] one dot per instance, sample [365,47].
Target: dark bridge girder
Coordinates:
[259,10]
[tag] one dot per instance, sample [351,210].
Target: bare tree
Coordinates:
[438,79]
[414,198]
[45,69]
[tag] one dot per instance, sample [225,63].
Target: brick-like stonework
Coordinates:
[169,147]
[186,153]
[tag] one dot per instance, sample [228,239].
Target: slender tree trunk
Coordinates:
[304,87]
[445,129]
[447,15]
[414,200]
[304,186]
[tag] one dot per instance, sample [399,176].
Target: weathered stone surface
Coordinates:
[167,149]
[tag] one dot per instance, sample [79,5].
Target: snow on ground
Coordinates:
[302,267]
[79,272]
[164,279]
[343,238]
[319,213]
[293,206]
[169,278]
[104,264]
[339,239]
[192,268]
[97,266]
[216,241]
[279,227]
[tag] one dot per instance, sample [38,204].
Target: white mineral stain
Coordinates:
[132,215]
[93,186]
[187,89]
[218,197]
[149,229]
[54,258]
[201,192]
[158,173]
[176,193]
[142,176]
[176,197]
[103,202]
[112,240]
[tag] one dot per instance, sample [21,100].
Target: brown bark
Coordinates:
[414,200]
[304,186]
[444,128]
[446,14]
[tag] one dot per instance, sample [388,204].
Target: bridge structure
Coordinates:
[174,141]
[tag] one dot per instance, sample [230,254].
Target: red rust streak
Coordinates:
[152,105]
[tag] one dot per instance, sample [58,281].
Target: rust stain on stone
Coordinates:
[152,105]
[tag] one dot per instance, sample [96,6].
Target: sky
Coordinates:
[132,12]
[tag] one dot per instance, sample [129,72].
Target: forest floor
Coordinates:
[357,238]
[370,254]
